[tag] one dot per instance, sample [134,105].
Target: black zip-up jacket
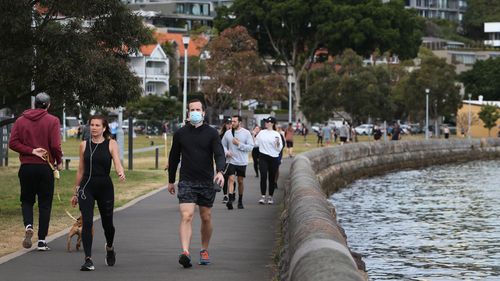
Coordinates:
[198,147]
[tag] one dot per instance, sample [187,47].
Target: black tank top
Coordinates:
[101,159]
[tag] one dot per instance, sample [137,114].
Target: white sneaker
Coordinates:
[262,200]
[270,200]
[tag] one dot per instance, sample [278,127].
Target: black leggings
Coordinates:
[36,180]
[268,166]
[255,158]
[98,189]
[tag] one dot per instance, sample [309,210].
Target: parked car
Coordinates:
[364,129]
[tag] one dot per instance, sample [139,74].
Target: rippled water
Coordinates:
[438,223]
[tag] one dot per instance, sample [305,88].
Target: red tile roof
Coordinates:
[196,44]
[147,50]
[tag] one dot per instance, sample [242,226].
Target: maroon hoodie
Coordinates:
[36,128]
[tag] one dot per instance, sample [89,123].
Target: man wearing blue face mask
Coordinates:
[199,145]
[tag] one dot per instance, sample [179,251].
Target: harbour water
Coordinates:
[437,223]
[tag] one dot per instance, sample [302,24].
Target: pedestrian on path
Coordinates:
[270,145]
[93,184]
[237,143]
[255,150]
[199,145]
[289,132]
[36,137]
[225,127]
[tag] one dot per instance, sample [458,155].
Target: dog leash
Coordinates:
[57,176]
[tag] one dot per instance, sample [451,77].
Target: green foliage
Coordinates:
[489,114]
[154,107]
[322,96]
[361,91]
[482,79]
[478,12]
[437,76]
[81,59]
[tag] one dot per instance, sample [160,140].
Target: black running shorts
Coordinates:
[202,194]
[239,171]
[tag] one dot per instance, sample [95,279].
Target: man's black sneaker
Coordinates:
[27,237]
[240,205]
[185,260]
[42,246]
[110,256]
[225,199]
[88,265]
[229,203]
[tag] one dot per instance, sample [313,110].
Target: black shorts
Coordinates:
[343,139]
[289,144]
[202,194]
[239,171]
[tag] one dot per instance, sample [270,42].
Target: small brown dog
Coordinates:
[76,229]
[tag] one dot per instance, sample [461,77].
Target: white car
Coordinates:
[364,129]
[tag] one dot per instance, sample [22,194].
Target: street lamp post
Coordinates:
[469,121]
[427,90]
[185,41]
[290,98]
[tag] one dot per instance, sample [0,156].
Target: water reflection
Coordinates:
[438,223]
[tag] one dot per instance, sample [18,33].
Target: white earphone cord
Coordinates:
[82,189]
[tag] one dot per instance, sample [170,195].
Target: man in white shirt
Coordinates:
[237,143]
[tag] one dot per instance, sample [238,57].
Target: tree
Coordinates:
[155,108]
[489,114]
[482,79]
[291,31]
[437,76]
[361,91]
[463,122]
[75,51]
[322,96]
[236,70]
[477,13]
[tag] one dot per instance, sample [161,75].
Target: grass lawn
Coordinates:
[141,180]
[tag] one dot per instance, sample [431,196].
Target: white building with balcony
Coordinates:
[492,29]
[438,9]
[151,65]
[175,15]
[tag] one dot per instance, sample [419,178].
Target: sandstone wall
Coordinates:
[314,246]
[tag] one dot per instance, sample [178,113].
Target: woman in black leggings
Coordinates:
[255,151]
[270,145]
[93,184]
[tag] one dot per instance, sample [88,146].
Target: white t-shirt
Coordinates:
[269,142]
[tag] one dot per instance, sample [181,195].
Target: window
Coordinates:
[467,59]
[150,88]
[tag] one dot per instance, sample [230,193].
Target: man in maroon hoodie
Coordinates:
[35,136]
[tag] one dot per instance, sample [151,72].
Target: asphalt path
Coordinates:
[147,243]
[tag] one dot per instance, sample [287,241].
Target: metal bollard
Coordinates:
[157,154]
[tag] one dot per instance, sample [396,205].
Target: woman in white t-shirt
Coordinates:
[270,145]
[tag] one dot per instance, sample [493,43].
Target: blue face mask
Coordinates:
[195,117]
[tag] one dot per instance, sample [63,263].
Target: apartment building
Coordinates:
[439,9]
[177,14]
[492,30]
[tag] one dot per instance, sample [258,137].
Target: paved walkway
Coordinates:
[147,243]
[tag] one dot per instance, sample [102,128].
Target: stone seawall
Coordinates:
[314,246]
